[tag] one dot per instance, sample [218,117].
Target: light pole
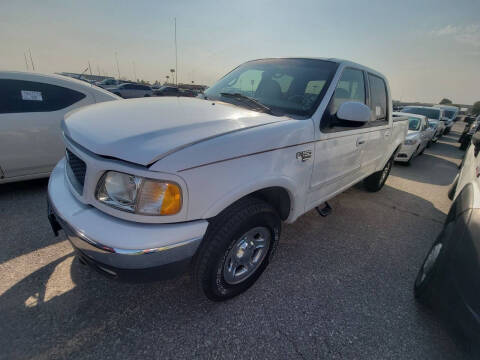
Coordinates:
[118,67]
[176,61]
[26,62]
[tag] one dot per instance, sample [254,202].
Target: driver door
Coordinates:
[339,151]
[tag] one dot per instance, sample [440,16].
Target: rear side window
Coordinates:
[378,93]
[18,96]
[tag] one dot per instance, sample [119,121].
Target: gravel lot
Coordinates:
[339,288]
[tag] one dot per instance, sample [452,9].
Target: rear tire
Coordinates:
[375,182]
[230,260]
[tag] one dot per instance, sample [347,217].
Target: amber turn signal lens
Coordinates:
[172,200]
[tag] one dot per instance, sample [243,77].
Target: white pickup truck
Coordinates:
[153,187]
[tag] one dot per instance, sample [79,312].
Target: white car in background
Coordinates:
[32,107]
[450,112]
[419,136]
[435,116]
[128,90]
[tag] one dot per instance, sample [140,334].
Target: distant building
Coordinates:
[85,76]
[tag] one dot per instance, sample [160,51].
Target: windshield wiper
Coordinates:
[247,100]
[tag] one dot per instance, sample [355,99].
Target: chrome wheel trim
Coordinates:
[246,255]
[430,261]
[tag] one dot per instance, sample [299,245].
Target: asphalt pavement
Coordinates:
[339,287]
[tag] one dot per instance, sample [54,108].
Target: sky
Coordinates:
[428,49]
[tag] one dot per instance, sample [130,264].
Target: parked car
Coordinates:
[173,91]
[204,184]
[434,125]
[470,129]
[418,137]
[32,107]
[434,115]
[451,113]
[449,278]
[108,83]
[128,90]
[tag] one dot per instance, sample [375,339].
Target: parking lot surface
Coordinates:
[339,287]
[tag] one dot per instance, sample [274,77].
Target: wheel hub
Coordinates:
[246,255]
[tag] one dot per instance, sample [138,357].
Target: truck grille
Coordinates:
[76,169]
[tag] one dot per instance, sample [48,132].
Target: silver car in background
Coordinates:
[418,138]
[434,115]
[128,90]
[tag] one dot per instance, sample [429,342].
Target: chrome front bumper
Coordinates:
[117,243]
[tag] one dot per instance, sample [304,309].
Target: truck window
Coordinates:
[350,87]
[246,83]
[378,92]
[284,85]
[19,96]
[314,87]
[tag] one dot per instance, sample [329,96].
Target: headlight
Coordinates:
[410,141]
[139,195]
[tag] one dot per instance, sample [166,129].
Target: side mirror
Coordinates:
[476,143]
[354,111]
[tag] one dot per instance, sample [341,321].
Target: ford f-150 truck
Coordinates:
[153,187]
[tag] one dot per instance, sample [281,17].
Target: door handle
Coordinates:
[387,133]
[360,142]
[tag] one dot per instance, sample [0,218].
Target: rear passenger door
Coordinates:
[338,152]
[30,116]
[379,128]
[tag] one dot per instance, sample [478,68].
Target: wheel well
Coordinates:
[276,196]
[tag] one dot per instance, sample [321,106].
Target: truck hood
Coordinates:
[143,131]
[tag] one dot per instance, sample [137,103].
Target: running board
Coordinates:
[325,211]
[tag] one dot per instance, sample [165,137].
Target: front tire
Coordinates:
[429,274]
[237,248]
[375,182]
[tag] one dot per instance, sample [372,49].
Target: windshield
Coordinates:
[450,113]
[430,113]
[286,86]
[414,124]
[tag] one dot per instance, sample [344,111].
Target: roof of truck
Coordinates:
[336,60]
